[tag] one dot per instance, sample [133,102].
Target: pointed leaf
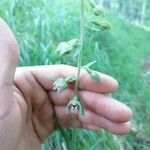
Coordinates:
[89,64]
[88,70]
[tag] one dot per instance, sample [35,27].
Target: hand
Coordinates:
[29,107]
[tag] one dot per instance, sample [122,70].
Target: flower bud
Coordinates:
[95,22]
[93,74]
[98,10]
[74,42]
[103,25]
[63,48]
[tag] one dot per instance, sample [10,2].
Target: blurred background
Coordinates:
[122,52]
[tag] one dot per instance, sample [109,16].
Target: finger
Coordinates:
[91,121]
[61,98]
[101,104]
[90,127]
[45,74]
[8,54]
[8,60]
[106,106]
[101,122]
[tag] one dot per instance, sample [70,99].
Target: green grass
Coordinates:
[40,25]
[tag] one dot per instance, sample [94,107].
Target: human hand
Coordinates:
[29,107]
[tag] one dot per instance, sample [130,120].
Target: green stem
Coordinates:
[81,49]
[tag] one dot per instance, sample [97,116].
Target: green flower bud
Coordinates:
[74,42]
[61,83]
[63,48]
[95,22]
[98,10]
[92,4]
[66,47]
[93,74]
[102,25]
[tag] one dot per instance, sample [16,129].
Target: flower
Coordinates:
[74,106]
[59,84]
[63,48]
[67,47]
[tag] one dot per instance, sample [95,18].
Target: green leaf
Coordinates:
[92,4]
[101,25]
[63,48]
[88,70]
[89,64]
[70,79]
[98,10]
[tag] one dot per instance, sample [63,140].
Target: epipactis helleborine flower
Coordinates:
[74,106]
[59,84]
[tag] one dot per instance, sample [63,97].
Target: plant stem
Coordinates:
[82,45]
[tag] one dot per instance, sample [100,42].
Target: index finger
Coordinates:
[45,74]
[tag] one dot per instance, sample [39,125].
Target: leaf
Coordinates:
[88,70]
[92,4]
[89,64]
[70,79]
[63,48]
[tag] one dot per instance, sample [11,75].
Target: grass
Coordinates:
[40,25]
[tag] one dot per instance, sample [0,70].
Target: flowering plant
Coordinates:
[98,24]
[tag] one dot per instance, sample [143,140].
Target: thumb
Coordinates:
[9,110]
[8,54]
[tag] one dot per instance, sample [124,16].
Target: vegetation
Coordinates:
[122,52]
[136,11]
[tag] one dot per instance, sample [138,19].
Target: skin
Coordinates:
[29,108]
